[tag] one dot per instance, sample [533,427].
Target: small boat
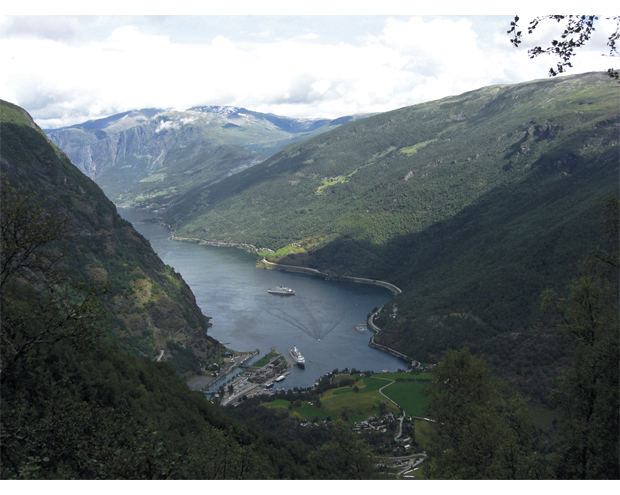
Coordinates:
[281,291]
[280,378]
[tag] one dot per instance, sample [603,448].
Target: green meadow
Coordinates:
[359,405]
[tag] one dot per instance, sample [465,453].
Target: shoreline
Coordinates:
[289,268]
[292,268]
[371,343]
[313,271]
[316,273]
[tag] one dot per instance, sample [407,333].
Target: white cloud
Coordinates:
[165,125]
[308,36]
[130,63]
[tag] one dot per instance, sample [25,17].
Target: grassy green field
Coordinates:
[357,405]
[364,403]
[408,396]
[306,411]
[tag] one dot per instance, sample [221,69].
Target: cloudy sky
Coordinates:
[65,68]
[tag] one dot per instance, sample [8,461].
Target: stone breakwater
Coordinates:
[312,271]
[288,268]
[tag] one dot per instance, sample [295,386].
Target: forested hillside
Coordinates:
[76,405]
[472,205]
[147,303]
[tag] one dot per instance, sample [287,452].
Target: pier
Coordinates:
[202,383]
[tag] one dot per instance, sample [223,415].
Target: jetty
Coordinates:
[317,273]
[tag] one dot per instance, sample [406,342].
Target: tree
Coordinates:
[345,457]
[587,393]
[42,311]
[577,32]
[481,431]
[40,304]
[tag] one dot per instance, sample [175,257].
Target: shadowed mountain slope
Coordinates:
[471,204]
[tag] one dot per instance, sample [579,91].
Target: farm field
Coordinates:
[408,395]
[365,402]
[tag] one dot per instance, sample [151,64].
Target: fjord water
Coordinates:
[319,319]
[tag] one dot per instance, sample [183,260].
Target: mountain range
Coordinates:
[472,205]
[149,158]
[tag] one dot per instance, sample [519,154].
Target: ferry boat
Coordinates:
[299,359]
[280,378]
[282,291]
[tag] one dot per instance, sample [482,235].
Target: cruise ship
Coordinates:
[299,359]
[282,291]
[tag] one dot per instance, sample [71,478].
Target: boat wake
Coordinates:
[314,327]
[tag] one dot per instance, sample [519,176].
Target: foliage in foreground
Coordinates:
[481,426]
[588,391]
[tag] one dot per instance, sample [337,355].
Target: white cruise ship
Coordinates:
[299,359]
[282,291]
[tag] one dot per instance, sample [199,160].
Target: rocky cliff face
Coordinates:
[147,158]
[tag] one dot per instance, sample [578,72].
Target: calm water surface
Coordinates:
[319,319]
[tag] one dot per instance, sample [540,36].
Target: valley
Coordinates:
[482,226]
[320,318]
[471,205]
[149,158]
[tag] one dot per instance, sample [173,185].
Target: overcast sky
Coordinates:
[66,69]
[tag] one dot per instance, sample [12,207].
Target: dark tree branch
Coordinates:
[578,31]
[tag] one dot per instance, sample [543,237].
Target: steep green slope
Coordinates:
[148,303]
[471,204]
